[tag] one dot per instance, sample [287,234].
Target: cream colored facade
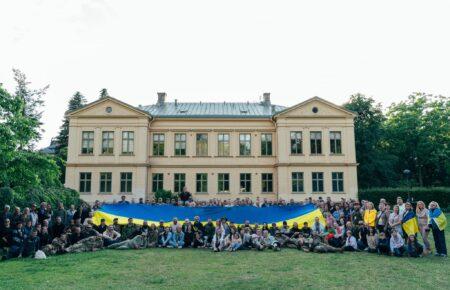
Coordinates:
[325,169]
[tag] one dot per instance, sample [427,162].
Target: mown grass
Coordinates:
[202,269]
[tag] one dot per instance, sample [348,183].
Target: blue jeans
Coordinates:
[236,246]
[398,252]
[176,244]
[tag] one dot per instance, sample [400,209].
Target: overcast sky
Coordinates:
[225,50]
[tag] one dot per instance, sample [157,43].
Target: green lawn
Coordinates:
[202,269]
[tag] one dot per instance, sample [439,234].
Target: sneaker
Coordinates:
[437,254]
[443,255]
[179,247]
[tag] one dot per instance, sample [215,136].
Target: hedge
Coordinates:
[439,194]
[20,198]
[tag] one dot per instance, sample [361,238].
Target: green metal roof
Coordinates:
[212,110]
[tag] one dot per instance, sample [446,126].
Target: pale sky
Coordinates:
[225,50]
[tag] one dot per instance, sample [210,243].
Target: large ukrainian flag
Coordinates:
[439,218]
[410,224]
[236,214]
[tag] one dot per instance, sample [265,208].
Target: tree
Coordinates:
[375,164]
[77,101]
[31,109]
[418,132]
[104,93]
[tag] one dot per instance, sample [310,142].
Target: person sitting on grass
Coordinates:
[372,239]
[129,230]
[209,231]
[152,236]
[270,242]
[101,228]
[414,248]
[198,242]
[110,236]
[165,238]
[350,242]
[218,241]
[383,245]
[236,242]
[188,235]
[305,230]
[257,240]
[397,245]
[177,239]
[31,245]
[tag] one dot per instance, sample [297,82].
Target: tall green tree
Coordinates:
[31,109]
[418,133]
[376,165]
[76,101]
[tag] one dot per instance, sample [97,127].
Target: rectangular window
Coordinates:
[296,143]
[223,144]
[126,182]
[266,144]
[337,181]
[179,182]
[223,182]
[158,144]
[157,182]
[316,142]
[297,182]
[317,181]
[87,143]
[105,182]
[108,142]
[245,145]
[246,182]
[201,146]
[85,182]
[127,142]
[267,182]
[335,142]
[201,183]
[180,144]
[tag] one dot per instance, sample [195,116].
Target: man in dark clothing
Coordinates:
[6,215]
[101,228]
[17,241]
[356,215]
[58,228]
[75,236]
[210,230]
[6,235]
[123,200]
[185,195]
[42,213]
[305,230]
[44,237]
[31,245]
[198,226]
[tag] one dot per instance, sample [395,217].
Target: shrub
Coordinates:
[164,194]
[6,196]
[439,194]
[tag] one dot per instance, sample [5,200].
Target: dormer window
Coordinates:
[244,111]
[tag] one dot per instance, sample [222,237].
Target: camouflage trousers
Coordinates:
[324,248]
[56,247]
[86,245]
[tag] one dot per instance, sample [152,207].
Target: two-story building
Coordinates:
[218,150]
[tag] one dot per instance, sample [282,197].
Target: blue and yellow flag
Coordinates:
[438,217]
[236,214]
[409,223]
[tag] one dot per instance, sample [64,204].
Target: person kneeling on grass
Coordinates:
[177,239]
[257,240]
[415,249]
[350,242]
[165,237]
[198,241]
[138,242]
[397,244]
[270,242]
[383,246]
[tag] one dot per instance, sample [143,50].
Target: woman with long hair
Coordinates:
[370,215]
[422,218]
[437,222]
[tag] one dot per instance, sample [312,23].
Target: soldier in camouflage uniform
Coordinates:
[89,244]
[138,242]
[57,246]
[316,245]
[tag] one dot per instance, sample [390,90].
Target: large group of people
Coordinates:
[349,225]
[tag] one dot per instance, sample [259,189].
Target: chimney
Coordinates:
[266,99]
[161,99]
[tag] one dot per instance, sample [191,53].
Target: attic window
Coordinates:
[183,111]
[315,110]
[244,111]
[108,109]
